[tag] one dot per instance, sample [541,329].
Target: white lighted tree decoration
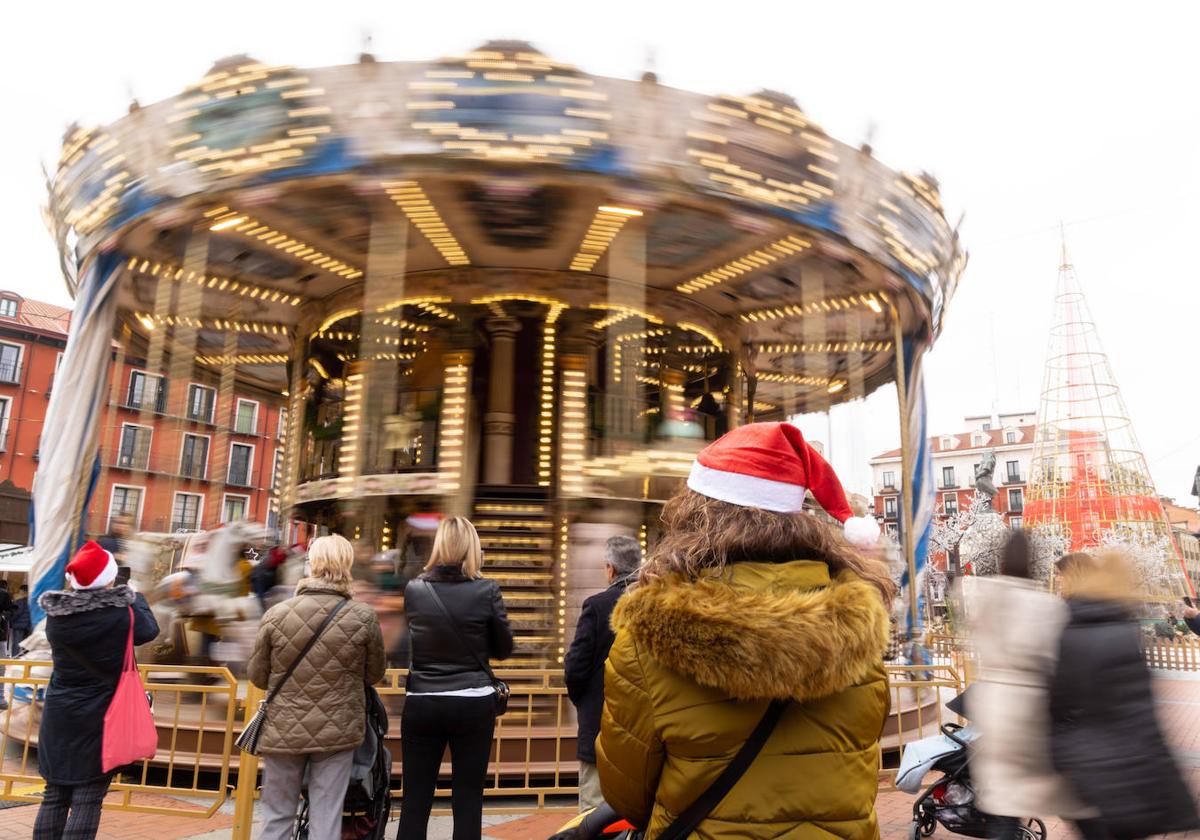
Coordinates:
[1152,554]
[976,532]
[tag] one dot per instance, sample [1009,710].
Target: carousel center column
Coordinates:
[500,419]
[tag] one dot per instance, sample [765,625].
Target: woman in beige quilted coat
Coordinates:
[319,717]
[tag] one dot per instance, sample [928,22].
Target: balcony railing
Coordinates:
[944,485]
[1013,479]
[10,373]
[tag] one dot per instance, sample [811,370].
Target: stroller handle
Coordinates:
[950,730]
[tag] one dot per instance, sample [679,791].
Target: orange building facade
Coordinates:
[175,456]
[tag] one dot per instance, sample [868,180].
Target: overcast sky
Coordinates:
[1028,113]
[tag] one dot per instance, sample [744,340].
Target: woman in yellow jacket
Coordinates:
[748,599]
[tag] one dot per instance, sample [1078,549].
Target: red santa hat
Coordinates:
[92,567]
[771,466]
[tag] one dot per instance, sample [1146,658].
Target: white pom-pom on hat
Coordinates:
[862,531]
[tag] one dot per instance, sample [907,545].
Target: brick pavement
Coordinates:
[1178,706]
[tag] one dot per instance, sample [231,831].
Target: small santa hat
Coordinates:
[425,521]
[771,466]
[92,567]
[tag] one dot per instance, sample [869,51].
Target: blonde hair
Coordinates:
[330,558]
[1107,576]
[457,542]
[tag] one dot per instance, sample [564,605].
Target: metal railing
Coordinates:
[199,711]
[195,707]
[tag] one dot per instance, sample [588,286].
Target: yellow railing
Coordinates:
[196,709]
[200,710]
[918,697]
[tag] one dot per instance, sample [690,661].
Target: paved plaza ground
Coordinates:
[1178,705]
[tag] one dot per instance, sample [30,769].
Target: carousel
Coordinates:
[493,285]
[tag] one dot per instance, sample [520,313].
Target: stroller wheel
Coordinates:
[918,830]
[1032,829]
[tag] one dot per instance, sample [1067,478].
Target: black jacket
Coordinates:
[439,660]
[95,624]
[8,609]
[1105,737]
[583,667]
[21,619]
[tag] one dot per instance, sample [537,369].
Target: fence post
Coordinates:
[247,777]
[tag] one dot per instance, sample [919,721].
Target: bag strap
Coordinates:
[291,668]
[694,814]
[437,599]
[90,666]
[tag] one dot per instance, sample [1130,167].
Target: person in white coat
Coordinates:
[1016,626]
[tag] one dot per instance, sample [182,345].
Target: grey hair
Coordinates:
[624,554]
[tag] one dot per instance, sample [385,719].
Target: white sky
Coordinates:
[1028,113]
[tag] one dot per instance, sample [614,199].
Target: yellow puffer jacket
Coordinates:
[693,668]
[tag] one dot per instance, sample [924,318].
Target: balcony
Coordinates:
[1017,508]
[10,373]
[944,485]
[1014,479]
[239,477]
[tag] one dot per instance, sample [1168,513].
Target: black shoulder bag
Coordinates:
[698,811]
[502,690]
[248,741]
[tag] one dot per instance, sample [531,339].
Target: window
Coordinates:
[1010,437]
[987,427]
[1014,522]
[5,413]
[125,501]
[235,508]
[947,442]
[193,460]
[147,390]
[950,504]
[948,477]
[10,362]
[892,530]
[185,512]
[889,478]
[201,401]
[246,420]
[134,452]
[1013,470]
[8,308]
[241,457]
[1016,500]
[889,507]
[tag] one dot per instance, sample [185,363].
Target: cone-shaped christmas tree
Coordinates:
[1088,481]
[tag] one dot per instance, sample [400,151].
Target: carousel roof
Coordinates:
[503,172]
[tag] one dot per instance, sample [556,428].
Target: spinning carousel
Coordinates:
[491,284]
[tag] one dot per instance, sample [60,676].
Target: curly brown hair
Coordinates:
[703,535]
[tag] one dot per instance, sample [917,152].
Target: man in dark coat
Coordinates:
[584,664]
[1105,737]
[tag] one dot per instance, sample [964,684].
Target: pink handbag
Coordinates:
[129,731]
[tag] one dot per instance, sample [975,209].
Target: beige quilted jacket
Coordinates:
[321,708]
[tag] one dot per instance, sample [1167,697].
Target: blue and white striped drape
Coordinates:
[69,464]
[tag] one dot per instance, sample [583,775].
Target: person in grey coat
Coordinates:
[1015,628]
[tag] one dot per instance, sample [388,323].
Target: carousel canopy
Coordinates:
[252,209]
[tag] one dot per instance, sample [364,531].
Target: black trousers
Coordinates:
[430,725]
[70,812]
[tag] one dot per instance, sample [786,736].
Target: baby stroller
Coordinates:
[602,823]
[368,799]
[950,800]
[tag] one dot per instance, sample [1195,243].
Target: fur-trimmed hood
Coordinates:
[72,601]
[778,630]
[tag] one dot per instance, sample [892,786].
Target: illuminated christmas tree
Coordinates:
[1088,481]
